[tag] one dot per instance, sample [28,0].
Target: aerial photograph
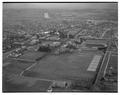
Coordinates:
[60,47]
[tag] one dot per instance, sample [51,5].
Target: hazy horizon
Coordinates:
[60,5]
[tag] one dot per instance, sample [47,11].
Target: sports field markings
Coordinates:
[27,68]
[107,63]
[93,65]
[41,79]
[46,80]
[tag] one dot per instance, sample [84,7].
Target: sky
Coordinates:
[61,5]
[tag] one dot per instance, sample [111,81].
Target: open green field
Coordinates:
[32,55]
[63,67]
[15,83]
[90,51]
[16,67]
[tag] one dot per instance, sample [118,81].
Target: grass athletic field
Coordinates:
[63,67]
[23,84]
[31,55]
[16,67]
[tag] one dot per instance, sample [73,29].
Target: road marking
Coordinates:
[27,68]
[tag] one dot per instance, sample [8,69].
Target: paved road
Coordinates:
[104,64]
[107,63]
[103,67]
[105,32]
